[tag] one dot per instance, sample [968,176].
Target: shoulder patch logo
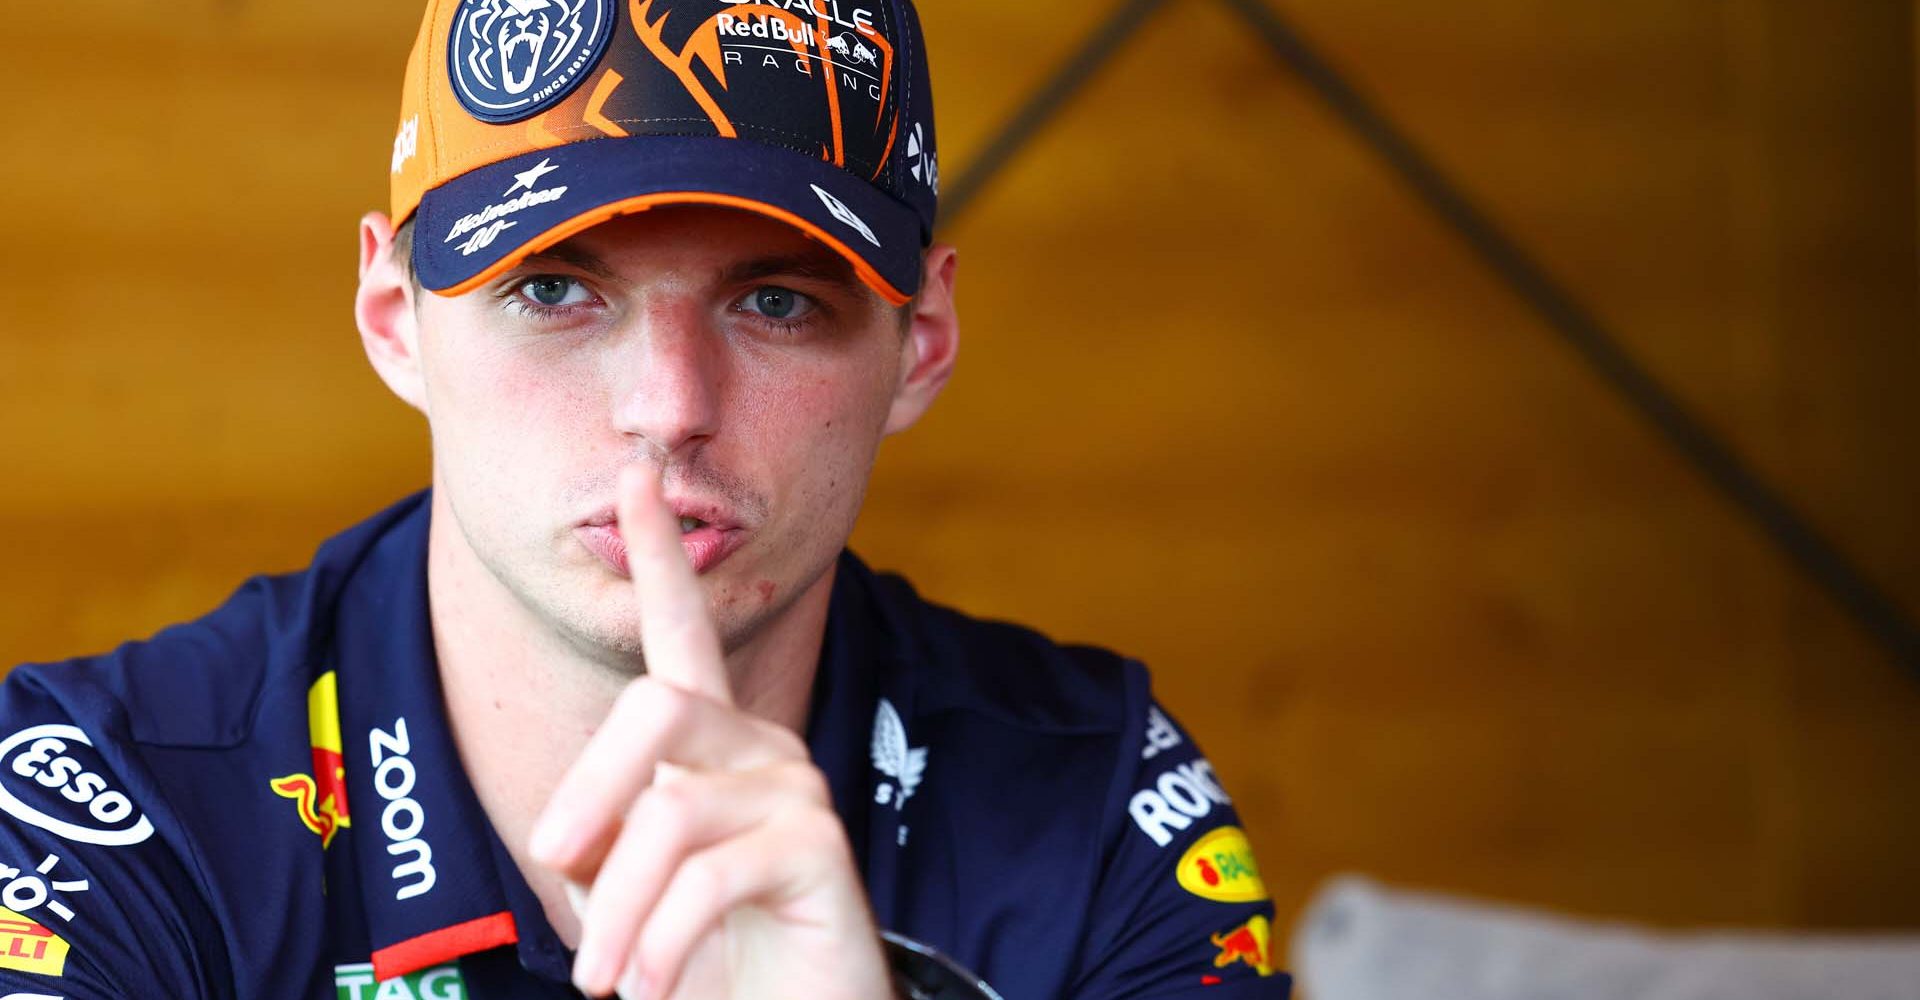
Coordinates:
[55,767]
[844,214]
[512,59]
[1219,866]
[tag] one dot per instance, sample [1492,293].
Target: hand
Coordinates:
[713,861]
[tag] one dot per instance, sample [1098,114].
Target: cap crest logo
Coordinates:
[512,59]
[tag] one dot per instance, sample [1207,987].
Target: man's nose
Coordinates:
[672,372]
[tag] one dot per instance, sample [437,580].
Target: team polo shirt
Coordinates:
[267,804]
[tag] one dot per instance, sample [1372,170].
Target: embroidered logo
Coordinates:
[512,59]
[483,227]
[893,758]
[844,214]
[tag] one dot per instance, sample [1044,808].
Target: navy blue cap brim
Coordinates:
[470,229]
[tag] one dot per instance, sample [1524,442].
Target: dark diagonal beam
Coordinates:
[1796,538]
[1093,54]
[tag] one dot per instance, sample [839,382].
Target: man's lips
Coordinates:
[705,545]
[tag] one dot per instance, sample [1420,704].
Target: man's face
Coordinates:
[743,359]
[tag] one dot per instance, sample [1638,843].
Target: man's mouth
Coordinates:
[705,541]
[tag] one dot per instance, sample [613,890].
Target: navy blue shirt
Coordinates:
[266,804]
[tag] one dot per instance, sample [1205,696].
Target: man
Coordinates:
[609,708]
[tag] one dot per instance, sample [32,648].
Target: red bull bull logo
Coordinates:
[321,797]
[1246,943]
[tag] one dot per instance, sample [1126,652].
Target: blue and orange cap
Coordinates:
[523,122]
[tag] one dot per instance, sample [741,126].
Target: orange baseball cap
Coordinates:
[523,122]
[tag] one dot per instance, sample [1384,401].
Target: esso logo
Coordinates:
[55,766]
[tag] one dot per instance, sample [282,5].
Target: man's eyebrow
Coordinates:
[822,266]
[568,253]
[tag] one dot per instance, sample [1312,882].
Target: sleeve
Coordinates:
[1180,910]
[94,905]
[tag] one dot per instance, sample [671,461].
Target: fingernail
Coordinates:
[576,898]
[633,985]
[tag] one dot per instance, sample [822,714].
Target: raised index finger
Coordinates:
[676,634]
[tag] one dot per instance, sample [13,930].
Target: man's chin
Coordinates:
[606,622]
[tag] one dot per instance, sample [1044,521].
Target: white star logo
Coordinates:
[528,178]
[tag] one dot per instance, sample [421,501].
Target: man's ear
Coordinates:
[932,341]
[383,307]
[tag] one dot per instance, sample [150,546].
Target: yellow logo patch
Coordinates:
[1219,866]
[29,947]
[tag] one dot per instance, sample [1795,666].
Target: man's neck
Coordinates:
[522,701]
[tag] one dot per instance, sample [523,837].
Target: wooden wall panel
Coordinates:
[1724,185]
[1440,606]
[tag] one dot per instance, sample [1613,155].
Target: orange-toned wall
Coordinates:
[1440,605]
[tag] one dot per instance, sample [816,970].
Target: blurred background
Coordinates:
[1494,421]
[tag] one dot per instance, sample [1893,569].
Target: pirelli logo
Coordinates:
[28,947]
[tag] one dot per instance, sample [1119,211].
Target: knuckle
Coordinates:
[634,703]
[659,953]
[667,811]
[785,743]
[817,830]
[805,780]
[657,706]
[705,877]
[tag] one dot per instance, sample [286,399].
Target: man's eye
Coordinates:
[554,291]
[775,302]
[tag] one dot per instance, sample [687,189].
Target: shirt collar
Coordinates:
[429,882]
